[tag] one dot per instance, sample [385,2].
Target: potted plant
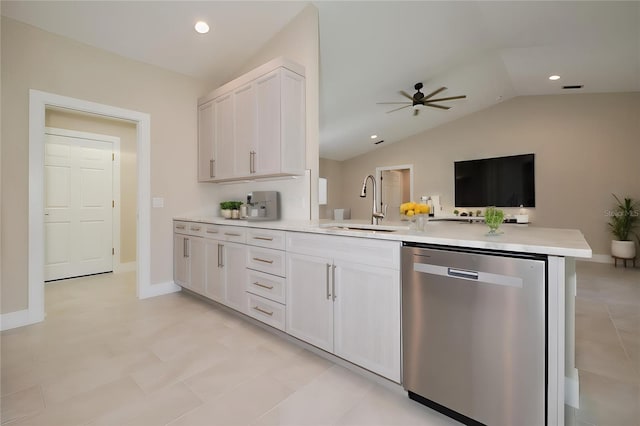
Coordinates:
[493,218]
[226,208]
[624,219]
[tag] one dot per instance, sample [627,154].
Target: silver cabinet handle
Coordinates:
[263,238]
[257,259]
[263,311]
[231,234]
[252,162]
[185,247]
[195,228]
[180,227]
[220,249]
[212,231]
[333,281]
[211,166]
[328,291]
[269,287]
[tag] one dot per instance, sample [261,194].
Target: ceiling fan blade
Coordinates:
[447,99]
[416,112]
[406,95]
[391,103]
[435,92]
[437,106]
[393,110]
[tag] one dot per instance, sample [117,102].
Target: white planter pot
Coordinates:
[226,213]
[623,249]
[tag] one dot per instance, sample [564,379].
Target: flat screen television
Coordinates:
[501,182]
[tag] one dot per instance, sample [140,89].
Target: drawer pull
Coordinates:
[212,231]
[263,311]
[231,234]
[257,259]
[269,287]
[179,226]
[263,238]
[195,228]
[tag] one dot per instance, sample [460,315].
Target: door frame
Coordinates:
[379,171]
[115,182]
[38,102]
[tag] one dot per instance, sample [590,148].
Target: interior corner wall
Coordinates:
[586,145]
[126,131]
[299,42]
[332,171]
[36,59]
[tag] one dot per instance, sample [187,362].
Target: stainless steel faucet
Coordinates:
[375,214]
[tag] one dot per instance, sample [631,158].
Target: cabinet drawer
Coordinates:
[188,228]
[234,234]
[265,310]
[266,260]
[268,238]
[270,286]
[213,231]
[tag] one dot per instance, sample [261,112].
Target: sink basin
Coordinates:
[364,227]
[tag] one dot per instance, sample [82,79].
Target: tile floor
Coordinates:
[104,358]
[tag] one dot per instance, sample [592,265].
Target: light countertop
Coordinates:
[514,237]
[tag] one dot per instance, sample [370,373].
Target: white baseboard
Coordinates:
[159,289]
[572,389]
[17,319]
[125,267]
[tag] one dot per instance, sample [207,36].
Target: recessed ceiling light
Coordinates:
[202,27]
[554,77]
[374,136]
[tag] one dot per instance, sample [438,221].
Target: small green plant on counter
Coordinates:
[230,205]
[456,212]
[493,218]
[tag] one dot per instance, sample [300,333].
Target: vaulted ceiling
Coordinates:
[370,50]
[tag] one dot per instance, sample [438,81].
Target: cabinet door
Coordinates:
[293,124]
[234,271]
[224,138]
[206,146]
[367,317]
[214,288]
[180,260]
[197,264]
[267,152]
[245,130]
[309,312]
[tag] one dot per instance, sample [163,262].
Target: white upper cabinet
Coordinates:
[258,126]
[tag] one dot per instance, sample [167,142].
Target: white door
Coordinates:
[78,207]
[206,147]
[223,137]
[245,130]
[268,149]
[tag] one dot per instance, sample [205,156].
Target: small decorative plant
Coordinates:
[624,218]
[493,218]
[456,212]
[227,208]
[478,213]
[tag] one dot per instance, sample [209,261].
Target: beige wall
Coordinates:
[34,59]
[126,131]
[587,147]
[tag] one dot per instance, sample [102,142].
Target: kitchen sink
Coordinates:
[364,227]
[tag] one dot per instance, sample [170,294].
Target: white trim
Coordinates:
[124,267]
[115,182]
[572,389]
[38,101]
[598,258]
[556,341]
[15,319]
[159,289]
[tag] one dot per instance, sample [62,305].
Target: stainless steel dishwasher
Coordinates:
[474,334]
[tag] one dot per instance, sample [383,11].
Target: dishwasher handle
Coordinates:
[461,273]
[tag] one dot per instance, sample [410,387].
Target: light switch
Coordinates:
[157,202]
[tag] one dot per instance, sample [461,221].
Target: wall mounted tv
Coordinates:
[501,182]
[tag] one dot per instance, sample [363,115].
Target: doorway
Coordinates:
[38,102]
[396,187]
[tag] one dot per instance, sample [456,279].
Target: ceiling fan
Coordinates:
[419,99]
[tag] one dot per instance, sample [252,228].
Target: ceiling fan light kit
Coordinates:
[419,100]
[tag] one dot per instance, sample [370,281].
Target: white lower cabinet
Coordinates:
[348,307]
[188,262]
[234,273]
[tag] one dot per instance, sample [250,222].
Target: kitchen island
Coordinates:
[339,252]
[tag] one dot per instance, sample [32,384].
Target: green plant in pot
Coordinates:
[227,207]
[624,219]
[493,217]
